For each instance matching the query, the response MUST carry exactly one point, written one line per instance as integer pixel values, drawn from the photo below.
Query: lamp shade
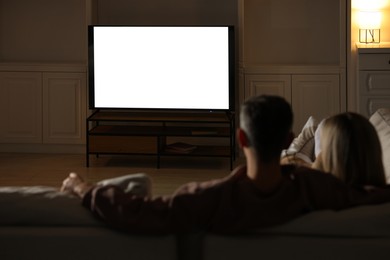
(369, 19)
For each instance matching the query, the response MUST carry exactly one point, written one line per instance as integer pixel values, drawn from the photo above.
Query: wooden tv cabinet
(146, 133)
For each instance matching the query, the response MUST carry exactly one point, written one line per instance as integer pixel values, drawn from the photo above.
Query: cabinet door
(314, 95)
(370, 104)
(64, 108)
(279, 85)
(20, 107)
(374, 91)
(374, 83)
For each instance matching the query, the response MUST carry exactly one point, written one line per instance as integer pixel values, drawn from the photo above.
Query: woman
(350, 150)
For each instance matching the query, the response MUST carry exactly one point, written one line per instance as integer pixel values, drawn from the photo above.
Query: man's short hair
(267, 121)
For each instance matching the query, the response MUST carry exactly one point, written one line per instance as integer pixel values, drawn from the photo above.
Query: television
(161, 67)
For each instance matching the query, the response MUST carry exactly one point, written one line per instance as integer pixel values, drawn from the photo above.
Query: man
(261, 194)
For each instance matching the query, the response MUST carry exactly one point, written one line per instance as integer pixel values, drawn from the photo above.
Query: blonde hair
(350, 150)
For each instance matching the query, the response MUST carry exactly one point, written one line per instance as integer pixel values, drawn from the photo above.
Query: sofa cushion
(363, 221)
(302, 146)
(68, 242)
(356, 233)
(44, 206)
(381, 121)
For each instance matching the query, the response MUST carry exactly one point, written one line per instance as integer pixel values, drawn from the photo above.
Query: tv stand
(146, 133)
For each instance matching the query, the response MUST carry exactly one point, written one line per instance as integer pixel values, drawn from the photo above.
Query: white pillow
(317, 139)
(302, 146)
(381, 121)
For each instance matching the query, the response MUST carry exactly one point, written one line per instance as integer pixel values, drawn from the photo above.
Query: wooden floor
(51, 169)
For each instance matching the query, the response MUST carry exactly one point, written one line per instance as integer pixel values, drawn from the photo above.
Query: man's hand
(75, 184)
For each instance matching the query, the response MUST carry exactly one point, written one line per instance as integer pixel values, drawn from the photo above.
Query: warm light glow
(369, 19)
(369, 4)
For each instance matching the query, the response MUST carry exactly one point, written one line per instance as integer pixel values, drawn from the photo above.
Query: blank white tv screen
(160, 67)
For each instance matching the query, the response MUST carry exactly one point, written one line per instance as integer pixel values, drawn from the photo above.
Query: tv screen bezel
(232, 70)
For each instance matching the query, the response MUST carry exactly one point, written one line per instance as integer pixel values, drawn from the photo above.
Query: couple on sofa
(346, 145)
(263, 193)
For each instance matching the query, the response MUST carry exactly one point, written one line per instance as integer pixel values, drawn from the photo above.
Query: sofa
(42, 223)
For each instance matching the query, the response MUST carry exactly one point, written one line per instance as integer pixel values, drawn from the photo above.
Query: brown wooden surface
(122, 144)
(52, 169)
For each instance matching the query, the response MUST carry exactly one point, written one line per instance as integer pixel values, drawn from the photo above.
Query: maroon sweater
(228, 205)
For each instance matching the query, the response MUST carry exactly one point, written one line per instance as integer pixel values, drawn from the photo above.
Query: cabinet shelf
(181, 117)
(160, 130)
(209, 151)
(146, 133)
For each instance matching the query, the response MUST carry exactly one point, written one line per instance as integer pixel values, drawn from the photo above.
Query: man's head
(266, 122)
